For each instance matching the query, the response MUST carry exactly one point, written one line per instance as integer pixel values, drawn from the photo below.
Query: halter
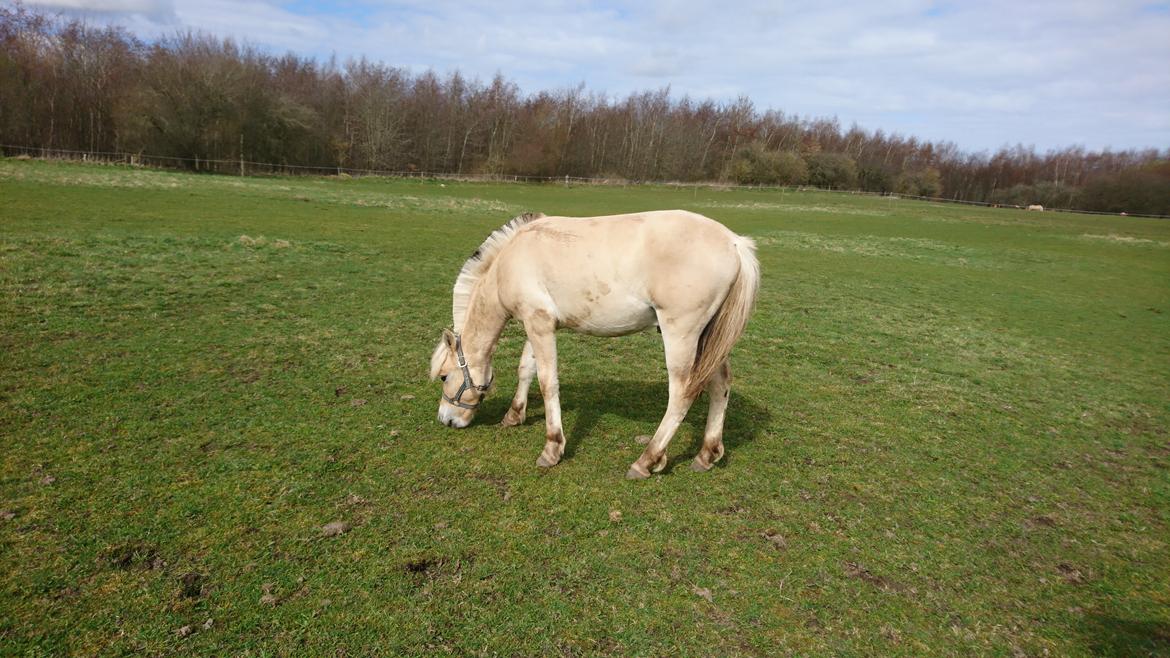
(468, 382)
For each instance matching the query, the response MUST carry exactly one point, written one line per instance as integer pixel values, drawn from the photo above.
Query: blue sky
(982, 74)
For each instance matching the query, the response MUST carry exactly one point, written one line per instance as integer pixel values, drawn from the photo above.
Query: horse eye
(443, 378)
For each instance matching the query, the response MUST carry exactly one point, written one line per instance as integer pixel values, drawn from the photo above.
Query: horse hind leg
(718, 391)
(517, 412)
(680, 356)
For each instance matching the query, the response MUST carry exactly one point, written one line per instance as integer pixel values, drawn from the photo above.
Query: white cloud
(152, 7)
(128, 11)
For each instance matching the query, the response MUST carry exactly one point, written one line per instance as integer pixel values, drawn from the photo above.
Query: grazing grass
(948, 433)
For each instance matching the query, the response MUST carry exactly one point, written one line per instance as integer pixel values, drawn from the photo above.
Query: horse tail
(727, 325)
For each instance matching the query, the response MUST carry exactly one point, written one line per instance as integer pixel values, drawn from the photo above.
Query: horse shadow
(1108, 635)
(643, 402)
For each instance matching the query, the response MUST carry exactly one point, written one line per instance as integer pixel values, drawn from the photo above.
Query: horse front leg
(517, 412)
(680, 357)
(541, 330)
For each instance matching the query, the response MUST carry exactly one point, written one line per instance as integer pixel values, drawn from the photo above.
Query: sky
(980, 73)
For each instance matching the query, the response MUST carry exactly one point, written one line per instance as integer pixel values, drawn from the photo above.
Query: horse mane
(479, 263)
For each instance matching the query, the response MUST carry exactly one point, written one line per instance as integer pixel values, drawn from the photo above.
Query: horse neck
(484, 322)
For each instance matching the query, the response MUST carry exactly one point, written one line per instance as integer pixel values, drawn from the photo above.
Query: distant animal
(607, 276)
(1036, 206)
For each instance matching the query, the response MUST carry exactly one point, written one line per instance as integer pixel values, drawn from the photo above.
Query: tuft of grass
(948, 432)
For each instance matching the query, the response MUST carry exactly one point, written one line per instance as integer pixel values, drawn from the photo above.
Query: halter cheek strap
(468, 383)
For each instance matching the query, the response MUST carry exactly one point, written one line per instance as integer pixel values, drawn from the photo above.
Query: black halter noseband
(468, 383)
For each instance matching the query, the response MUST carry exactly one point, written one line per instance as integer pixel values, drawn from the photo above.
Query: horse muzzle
(452, 416)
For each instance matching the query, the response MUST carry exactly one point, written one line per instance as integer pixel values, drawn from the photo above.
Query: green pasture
(948, 432)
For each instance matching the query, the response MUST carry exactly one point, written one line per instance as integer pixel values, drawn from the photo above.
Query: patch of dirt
(775, 539)
(133, 554)
(1138, 424)
(855, 570)
(500, 483)
(247, 375)
(69, 592)
(192, 585)
(266, 596)
(1043, 521)
(731, 510)
(430, 568)
(335, 528)
(1070, 574)
(424, 565)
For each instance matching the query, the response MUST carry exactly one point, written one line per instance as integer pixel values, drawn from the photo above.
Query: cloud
(981, 73)
(157, 10)
(659, 63)
(109, 6)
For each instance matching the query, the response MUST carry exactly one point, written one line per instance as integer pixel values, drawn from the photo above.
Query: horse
(613, 275)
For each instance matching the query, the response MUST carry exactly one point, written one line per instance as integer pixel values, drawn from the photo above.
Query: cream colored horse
(605, 276)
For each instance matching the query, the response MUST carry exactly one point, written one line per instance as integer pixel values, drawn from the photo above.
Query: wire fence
(242, 167)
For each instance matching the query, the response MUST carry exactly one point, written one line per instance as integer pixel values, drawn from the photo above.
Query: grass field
(948, 433)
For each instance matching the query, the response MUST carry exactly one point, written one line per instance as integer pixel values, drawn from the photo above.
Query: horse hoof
(509, 421)
(636, 474)
(545, 462)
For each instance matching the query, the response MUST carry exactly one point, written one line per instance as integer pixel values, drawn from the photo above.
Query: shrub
(925, 182)
(756, 165)
(835, 170)
(1145, 190)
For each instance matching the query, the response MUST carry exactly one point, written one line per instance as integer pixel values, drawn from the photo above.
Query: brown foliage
(211, 104)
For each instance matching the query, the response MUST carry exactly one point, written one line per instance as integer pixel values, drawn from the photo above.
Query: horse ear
(449, 338)
(438, 358)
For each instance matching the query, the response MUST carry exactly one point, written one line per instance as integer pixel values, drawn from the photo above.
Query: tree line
(67, 84)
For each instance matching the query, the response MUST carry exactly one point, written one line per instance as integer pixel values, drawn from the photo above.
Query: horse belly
(609, 316)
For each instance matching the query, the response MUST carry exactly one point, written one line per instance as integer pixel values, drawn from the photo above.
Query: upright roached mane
(479, 262)
(606, 276)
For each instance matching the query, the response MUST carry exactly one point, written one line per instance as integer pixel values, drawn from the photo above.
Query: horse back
(612, 275)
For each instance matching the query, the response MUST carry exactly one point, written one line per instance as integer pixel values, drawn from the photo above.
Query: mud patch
(424, 570)
(855, 570)
(1070, 574)
(132, 555)
(192, 585)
